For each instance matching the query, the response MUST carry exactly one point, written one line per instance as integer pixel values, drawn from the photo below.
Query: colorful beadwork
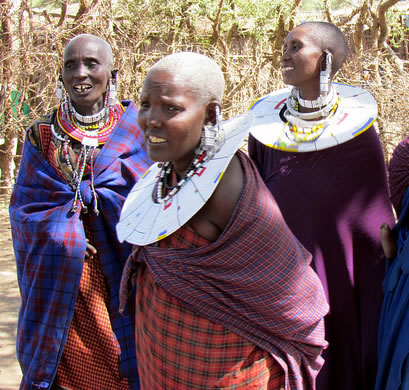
(356, 111)
(91, 136)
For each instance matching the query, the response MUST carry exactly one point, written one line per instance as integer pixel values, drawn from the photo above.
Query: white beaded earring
(325, 74)
(113, 88)
(212, 137)
(59, 88)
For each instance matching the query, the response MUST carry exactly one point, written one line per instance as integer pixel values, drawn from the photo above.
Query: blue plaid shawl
(49, 244)
(255, 280)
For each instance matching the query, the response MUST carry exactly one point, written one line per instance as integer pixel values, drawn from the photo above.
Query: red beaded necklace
(94, 137)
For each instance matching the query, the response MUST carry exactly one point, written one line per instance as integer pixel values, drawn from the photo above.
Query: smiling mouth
(156, 140)
(82, 87)
(287, 68)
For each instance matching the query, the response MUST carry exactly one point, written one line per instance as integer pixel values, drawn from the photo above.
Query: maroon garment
(334, 201)
(398, 173)
(255, 280)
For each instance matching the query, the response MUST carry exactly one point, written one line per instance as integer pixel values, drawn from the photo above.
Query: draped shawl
(255, 280)
(49, 244)
(393, 340)
(334, 201)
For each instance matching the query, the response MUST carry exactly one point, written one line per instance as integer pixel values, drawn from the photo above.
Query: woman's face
(171, 117)
(301, 61)
(86, 72)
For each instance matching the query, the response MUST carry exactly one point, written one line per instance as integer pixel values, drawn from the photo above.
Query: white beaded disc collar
(143, 221)
(356, 113)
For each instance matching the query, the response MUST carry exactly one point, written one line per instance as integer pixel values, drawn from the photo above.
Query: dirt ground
(10, 373)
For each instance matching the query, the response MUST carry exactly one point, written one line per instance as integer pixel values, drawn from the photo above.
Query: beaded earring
(212, 137)
(59, 88)
(113, 88)
(325, 74)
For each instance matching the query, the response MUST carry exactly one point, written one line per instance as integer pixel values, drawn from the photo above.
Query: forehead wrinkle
(103, 52)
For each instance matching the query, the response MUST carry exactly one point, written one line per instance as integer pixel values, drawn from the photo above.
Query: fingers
(90, 250)
(388, 241)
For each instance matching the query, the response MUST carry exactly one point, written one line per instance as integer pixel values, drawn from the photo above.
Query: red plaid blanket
(255, 280)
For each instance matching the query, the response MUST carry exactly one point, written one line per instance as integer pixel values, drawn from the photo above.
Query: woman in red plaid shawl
(229, 299)
(79, 163)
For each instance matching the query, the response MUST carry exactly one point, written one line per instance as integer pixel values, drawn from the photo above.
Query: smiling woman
(316, 149)
(75, 173)
(225, 296)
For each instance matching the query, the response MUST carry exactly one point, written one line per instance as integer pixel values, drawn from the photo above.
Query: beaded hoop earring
(112, 88)
(325, 74)
(59, 88)
(212, 137)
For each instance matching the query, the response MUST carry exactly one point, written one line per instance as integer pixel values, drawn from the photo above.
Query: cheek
(141, 121)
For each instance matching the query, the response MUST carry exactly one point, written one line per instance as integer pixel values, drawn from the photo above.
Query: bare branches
(383, 27)
(245, 38)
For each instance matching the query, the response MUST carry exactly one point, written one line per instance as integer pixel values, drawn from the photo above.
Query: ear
(212, 110)
(326, 60)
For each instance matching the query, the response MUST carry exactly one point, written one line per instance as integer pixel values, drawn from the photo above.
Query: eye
(144, 104)
(172, 108)
(68, 66)
(92, 64)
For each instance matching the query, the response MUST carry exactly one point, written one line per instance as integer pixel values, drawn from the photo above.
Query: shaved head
(329, 37)
(105, 47)
(200, 73)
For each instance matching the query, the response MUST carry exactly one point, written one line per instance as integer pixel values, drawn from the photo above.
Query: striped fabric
(49, 244)
(255, 280)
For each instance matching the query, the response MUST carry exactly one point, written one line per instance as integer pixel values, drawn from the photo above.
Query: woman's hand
(388, 241)
(90, 251)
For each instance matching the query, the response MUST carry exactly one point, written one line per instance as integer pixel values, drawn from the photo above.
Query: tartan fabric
(91, 353)
(49, 244)
(177, 349)
(255, 280)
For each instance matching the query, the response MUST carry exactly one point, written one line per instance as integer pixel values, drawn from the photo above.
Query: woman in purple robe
(317, 150)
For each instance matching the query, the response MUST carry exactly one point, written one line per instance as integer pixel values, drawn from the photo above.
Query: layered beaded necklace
(301, 126)
(96, 132)
(165, 178)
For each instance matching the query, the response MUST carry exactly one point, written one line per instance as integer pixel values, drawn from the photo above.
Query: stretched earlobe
(325, 73)
(212, 133)
(112, 88)
(213, 114)
(59, 88)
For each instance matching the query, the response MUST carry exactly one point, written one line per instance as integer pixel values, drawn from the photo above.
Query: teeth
(285, 68)
(156, 140)
(82, 87)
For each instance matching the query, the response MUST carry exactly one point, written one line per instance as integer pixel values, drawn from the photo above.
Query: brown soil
(10, 374)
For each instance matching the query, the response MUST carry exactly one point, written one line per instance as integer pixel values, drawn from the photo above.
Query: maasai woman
(317, 151)
(393, 340)
(79, 163)
(225, 296)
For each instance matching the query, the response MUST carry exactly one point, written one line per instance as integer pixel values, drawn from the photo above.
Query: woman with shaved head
(225, 295)
(79, 163)
(317, 150)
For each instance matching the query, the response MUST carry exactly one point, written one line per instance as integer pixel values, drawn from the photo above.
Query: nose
(285, 56)
(153, 118)
(80, 71)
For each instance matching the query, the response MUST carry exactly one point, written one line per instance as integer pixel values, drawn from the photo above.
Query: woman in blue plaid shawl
(79, 163)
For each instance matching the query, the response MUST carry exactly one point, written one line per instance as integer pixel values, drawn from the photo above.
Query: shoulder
(38, 127)
(215, 215)
(227, 193)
